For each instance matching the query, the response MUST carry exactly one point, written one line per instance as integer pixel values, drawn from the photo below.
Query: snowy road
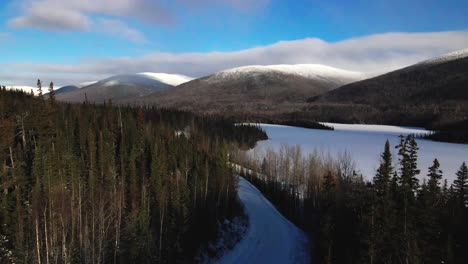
(271, 238)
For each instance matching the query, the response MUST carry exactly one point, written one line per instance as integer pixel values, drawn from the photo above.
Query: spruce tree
(435, 175)
(408, 184)
(51, 94)
(429, 214)
(383, 209)
(384, 172)
(460, 185)
(39, 87)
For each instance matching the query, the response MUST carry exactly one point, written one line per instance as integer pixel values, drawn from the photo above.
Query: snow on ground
(312, 71)
(271, 238)
(171, 79)
(398, 130)
(230, 233)
(365, 143)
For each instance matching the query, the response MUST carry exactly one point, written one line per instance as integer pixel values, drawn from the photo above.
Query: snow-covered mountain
(252, 88)
(129, 79)
(123, 86)
(311, 71)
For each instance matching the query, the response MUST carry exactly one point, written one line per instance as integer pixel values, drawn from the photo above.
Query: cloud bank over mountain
(371, 54)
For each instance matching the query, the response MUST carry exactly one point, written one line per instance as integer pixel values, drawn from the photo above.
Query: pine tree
(429, 209)
(435, 175)
(382, 213)
(39, 87)
(408, 184)
(408, 152)
(460, 185)
(384, 172)
(51, 94)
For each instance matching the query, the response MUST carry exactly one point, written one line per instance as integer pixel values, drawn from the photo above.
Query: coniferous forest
(103, 184)
(85, 183)
(395, 218)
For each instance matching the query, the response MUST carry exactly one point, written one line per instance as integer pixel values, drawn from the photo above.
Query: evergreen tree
(429, 209)
(51, 94)
(408, 184)
(384, 172)
(39, 88)
(435, 175)
(460, 185)
(383, 211)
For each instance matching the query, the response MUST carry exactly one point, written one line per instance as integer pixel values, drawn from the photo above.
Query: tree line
(89, 183)
(394, 218)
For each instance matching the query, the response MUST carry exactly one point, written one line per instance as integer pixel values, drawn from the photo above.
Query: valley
(233, 131)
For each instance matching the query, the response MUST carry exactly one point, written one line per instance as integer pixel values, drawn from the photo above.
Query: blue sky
(74, 40)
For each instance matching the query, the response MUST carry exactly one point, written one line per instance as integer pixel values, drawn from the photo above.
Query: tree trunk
(46, 236)
(38, 243)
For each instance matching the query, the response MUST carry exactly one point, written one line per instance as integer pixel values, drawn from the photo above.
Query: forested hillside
(100, 184)
(430, 94)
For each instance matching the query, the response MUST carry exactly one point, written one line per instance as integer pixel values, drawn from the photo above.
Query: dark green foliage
(100, 184)
(460, 185)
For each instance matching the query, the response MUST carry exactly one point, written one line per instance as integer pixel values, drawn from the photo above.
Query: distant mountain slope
(121, 87)
(440, 80)
(253, 88)
(66, 89)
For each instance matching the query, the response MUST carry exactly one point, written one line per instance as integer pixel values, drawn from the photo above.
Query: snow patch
(81, 85)
(171, 79)
(111, 83)
(398, 130)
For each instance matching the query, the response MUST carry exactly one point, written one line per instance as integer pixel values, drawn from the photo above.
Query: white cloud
(76, 15)
(86, 15)
(57, 19)
(371, 54)
(60, 15)
(117, 28)
(106, 16)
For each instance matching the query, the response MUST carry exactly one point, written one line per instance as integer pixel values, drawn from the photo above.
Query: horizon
(103, 39)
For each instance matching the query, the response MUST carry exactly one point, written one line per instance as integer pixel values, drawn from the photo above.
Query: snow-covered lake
(365, 143)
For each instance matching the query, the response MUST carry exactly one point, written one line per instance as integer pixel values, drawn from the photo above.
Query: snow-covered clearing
(271, 238)
(364, 143)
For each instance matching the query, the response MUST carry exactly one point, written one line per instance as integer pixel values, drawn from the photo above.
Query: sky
(69, 42)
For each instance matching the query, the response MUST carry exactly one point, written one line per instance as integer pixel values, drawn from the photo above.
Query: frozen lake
(365, 143)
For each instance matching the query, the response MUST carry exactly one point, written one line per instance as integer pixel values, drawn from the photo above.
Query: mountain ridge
(252, 88)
